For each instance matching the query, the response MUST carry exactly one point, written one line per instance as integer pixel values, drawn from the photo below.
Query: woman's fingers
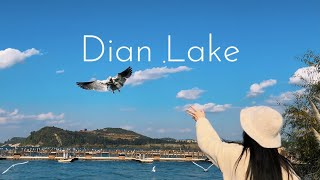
(191, 107)
(194, 116)
(196, 110)
(191, 114)
(195, 113)
(191, 111)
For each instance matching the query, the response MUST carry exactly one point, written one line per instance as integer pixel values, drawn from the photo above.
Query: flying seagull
(205, 170)
(109, 84)
(14, 166)
(154, 169)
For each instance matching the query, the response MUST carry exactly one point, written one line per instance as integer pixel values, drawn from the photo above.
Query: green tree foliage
(302, 122)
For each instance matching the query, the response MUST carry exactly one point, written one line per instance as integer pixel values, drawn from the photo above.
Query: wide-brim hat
(263, 124)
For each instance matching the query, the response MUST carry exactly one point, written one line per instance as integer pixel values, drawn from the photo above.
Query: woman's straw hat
(263, 124)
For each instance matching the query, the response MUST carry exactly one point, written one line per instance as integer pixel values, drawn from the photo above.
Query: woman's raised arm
(207, 138)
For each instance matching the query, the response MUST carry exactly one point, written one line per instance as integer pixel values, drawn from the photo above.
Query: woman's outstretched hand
(196, 114)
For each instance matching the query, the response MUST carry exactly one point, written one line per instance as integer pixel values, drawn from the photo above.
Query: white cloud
(2, 111)
(139, 77)
(61, 71)
(185, 130)
(209, 107)
(190, 94)
(285, 97)
(48, 116)
(162, 130)
(15, 116)
(168, 130)
(257, 89)
(15, 112)
(305, 75)
(56, 122)
(9, 56)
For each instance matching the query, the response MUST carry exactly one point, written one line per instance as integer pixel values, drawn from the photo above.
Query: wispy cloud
(259, 88)
(190, 94)
(162, 130)
(10, 56)
(16, 117)
(139, 77)
(209, 107)
(56, 122)
(61, 71)
(285, 97)
(185, 130)
(305, 75)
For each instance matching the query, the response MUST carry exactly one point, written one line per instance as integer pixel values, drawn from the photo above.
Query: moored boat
(67, 160)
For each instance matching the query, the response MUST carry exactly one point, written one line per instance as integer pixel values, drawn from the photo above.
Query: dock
(110, 155)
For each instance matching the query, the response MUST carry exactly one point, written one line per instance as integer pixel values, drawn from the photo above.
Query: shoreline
(32, 158)
(105, 155)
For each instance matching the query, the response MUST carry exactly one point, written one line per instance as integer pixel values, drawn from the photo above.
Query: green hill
(119, 133)
(57, 137)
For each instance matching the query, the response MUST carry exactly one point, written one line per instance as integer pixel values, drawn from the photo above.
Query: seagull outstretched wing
(126, 73)
(114, 83)
(198, 165)
(204, 169)
(14, 166)
(121, 78)
(209, 167)
(94, 85)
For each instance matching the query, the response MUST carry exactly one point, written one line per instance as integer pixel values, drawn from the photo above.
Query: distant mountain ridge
(106, 137)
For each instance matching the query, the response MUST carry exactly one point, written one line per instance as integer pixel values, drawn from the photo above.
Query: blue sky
(38, 86)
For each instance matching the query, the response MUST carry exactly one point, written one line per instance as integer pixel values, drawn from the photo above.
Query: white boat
(66, 159)
(145, 160)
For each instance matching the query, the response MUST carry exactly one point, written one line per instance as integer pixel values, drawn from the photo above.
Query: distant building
(186, 140)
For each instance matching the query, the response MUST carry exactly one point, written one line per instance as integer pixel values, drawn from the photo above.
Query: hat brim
(270, 142)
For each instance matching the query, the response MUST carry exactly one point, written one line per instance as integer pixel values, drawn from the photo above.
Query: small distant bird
(154, 169)
(111, 83)
(14, 166)
(205, 170)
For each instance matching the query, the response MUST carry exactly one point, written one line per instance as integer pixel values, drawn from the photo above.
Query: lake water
(107, 170)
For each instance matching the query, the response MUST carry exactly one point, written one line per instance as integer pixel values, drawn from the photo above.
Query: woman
(257, 158)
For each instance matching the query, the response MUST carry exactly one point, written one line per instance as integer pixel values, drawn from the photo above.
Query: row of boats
(69, 159)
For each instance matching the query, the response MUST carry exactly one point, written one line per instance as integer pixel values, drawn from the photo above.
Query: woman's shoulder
(234, 144)
(232, 147)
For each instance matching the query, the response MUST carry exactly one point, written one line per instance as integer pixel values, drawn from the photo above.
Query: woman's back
(226, 156)
(227, 161)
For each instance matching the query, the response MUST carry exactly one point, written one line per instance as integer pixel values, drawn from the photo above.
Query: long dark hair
(264, 163)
